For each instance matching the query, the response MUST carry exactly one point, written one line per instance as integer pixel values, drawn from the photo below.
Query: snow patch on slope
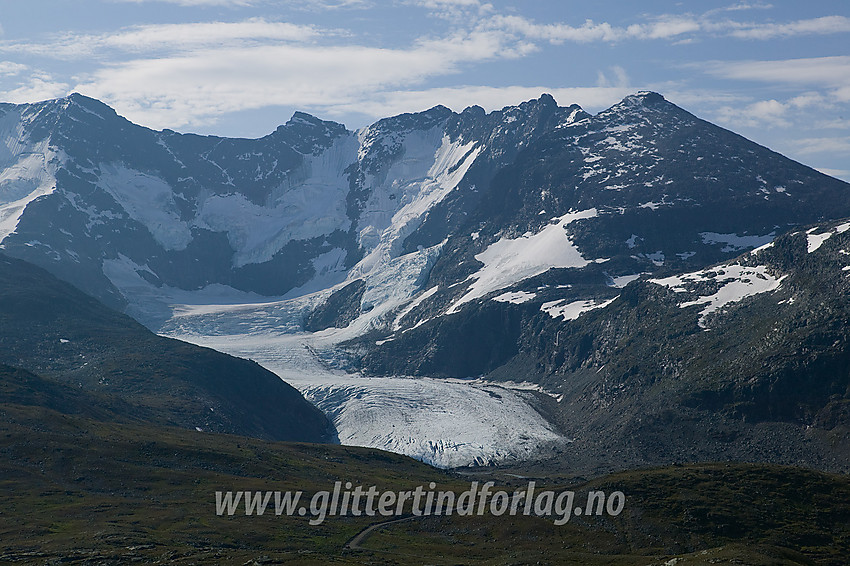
(148, 200)
(515, 297)
(509, 261)
(815, 241)
(733, 283)
(412, 305)
(622, 280)
(734, 242)
(573, 310)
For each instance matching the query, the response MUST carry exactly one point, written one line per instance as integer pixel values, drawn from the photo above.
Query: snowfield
(509, 261)
(27, 171)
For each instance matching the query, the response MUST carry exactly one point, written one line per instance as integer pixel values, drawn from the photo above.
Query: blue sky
(778, 73)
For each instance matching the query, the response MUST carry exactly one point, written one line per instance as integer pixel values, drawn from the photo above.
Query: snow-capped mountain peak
(430, 243)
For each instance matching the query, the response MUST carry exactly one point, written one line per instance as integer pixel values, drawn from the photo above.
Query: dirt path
(354, 543)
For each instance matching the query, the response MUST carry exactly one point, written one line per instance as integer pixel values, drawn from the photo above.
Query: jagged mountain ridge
(662, 190)
(435, 244)
(125, 212)
(117, 205)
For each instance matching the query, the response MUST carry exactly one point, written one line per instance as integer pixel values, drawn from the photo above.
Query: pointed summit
(644, 97)
(640, 104)
(307, 134)
(641, 99)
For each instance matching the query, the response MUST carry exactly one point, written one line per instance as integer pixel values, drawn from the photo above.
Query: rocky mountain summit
(584, 270)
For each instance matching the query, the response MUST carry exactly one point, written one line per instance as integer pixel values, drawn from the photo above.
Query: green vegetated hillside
(97, 467)
(77, 490)
(59, 333)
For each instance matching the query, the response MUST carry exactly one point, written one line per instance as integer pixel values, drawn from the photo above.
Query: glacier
(431, 221)
(445, 423)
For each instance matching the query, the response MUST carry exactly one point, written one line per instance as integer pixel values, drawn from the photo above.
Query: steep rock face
(644, 187)
(129, 214)
(525, 245)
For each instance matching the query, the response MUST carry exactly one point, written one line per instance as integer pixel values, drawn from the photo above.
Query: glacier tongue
(446, 423)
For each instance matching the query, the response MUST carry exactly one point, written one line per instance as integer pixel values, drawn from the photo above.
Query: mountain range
(562, 286)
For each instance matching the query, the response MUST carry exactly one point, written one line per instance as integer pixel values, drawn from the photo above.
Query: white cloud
(824, 71)
(769, 111)
(454, 9)
(665, 27)
(775, 113)
(746, 6)
(682, 28)
(839, 173)
(38, 86)
(234, 3)
(168, 37)
(9, 68)
(190, 36)
(307, 4)
(764, 113)
(817, 26)
(194, 87)
(825, 84)
(621, 79)
(826, 79)
(810, 146)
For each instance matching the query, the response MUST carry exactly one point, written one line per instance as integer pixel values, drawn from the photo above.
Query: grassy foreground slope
(78, 490)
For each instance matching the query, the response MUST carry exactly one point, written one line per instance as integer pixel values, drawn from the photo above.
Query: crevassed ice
(431, 168)
(445, 423)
